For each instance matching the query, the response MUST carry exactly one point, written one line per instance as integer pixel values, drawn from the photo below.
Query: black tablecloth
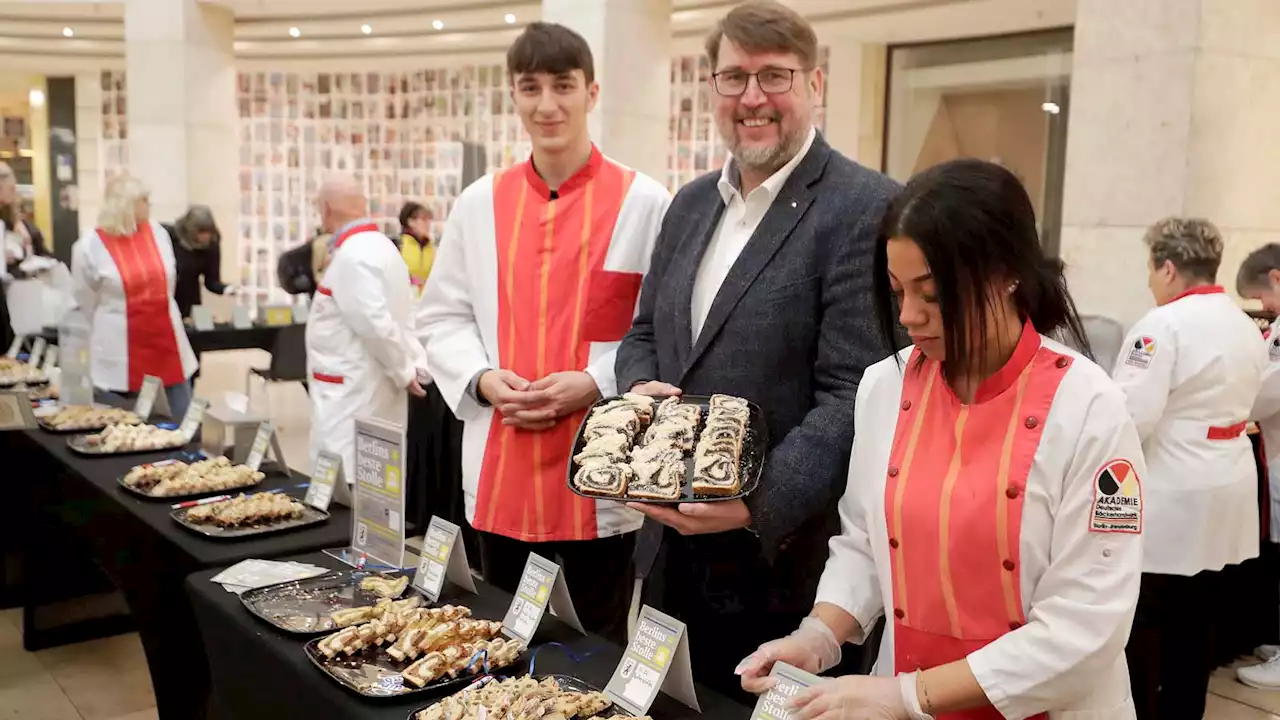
(222, 337)
(258, 671)
(147, 555)
(225, 337)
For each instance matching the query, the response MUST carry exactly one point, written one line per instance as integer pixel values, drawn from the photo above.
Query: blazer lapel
(686, 274)
(783, 215)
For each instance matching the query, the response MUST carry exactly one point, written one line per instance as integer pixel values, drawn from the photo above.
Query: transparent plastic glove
(812, 647)
(853, 697)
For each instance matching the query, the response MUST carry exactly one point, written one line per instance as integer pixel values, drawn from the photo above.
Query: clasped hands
(536, 406)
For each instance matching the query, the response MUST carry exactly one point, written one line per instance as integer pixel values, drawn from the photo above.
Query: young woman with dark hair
(415, 243)
(993, 510)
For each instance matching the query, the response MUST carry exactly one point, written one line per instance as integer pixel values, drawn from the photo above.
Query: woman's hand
(812, 647)
(854, 697)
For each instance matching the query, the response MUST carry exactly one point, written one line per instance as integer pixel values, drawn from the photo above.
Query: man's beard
(768, 159)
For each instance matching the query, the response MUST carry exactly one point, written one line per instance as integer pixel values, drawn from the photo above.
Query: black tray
(78, 446)
(29, 383)
(189, 496)
(755, 446)
(566, 682)
(310, 601)
(310, 516)
(68, 431)
(383, 673)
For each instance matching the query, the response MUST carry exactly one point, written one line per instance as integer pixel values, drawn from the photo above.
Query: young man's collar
(575, 181)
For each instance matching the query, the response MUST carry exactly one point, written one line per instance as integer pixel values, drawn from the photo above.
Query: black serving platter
(79, 445)
(371, 673)
(755, 446)
(566, 682)
(7, 383)
(302, 607)
(189, 496)
(310, 516)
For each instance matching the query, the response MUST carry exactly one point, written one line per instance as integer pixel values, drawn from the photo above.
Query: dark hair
(1256, 269)
(406, 214)
(550, 48)
(762, 26)
(976, 226)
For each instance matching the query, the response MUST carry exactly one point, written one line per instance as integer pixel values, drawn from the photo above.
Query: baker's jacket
(1079, 588)
(361, 348)
(1190, 365)
(99, 293)
(1266, 410)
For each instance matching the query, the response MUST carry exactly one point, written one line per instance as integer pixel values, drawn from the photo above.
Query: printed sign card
(791, 682)
(278, 315)
(379, 491)
(264, 440)
(50, 359)
(37, 352)
(15, 411)
(195, 415)
(541, 585)
(201, 317)
(657, 658)
(325, 474)
(240, 318)
(152, 390)
(442, 556)
(15, 347)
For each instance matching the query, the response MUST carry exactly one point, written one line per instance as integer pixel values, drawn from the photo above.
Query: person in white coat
(1190, 369)
(362, 354)
(993, 512)
(534, 284)
(1259, 279)
(123, 275)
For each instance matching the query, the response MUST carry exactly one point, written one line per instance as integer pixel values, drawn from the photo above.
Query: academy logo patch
(1273, 351)
(1141, 353)
(1117, 499)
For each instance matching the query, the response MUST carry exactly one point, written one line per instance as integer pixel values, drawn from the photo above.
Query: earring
(1012, 288)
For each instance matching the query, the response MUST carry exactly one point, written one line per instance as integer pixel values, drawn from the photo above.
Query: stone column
(183, 140)
(855, 88)
(631, 42)
(1173, 107)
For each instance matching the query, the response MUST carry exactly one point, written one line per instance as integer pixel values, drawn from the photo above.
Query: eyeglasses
(772, 81)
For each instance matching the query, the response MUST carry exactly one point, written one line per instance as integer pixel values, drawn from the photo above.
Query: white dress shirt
(738, 223)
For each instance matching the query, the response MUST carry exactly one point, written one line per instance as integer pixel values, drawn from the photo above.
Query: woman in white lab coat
(994, 503)
(1190, 369)
(123, 275)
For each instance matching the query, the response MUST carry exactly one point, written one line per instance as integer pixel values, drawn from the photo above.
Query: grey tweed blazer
(791, 329)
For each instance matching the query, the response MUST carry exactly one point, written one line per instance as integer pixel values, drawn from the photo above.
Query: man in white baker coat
(535, 282)
(362, 355)
(1191, 369)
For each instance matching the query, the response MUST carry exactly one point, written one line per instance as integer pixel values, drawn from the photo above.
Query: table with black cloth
(259, 671)
(143, 552)
(223, 336)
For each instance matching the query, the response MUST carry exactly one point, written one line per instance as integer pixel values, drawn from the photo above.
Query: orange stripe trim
(900, 576)
(509, 289)
(548, 248)
(584, 257)
(327, 378)
(944, 526)
(1002, 500)
(324, 290)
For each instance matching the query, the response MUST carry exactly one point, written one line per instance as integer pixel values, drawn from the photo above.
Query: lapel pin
(793, 203)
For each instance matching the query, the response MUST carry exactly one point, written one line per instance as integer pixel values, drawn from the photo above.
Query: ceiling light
(510, 18)
(437, 24)
(1050, 107)
(295, 32)
(366, 29)
(36, 97)
(68, 32)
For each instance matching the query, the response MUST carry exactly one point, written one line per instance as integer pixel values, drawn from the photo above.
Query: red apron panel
(953, 503)
(153, 346)
(547, 253)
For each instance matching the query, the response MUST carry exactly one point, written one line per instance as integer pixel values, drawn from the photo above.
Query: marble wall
(1173, 112)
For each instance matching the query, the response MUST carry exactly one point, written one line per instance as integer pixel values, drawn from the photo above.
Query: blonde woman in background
(123, 274)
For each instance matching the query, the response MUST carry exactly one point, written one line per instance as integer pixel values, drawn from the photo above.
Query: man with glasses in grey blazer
(759, 287)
